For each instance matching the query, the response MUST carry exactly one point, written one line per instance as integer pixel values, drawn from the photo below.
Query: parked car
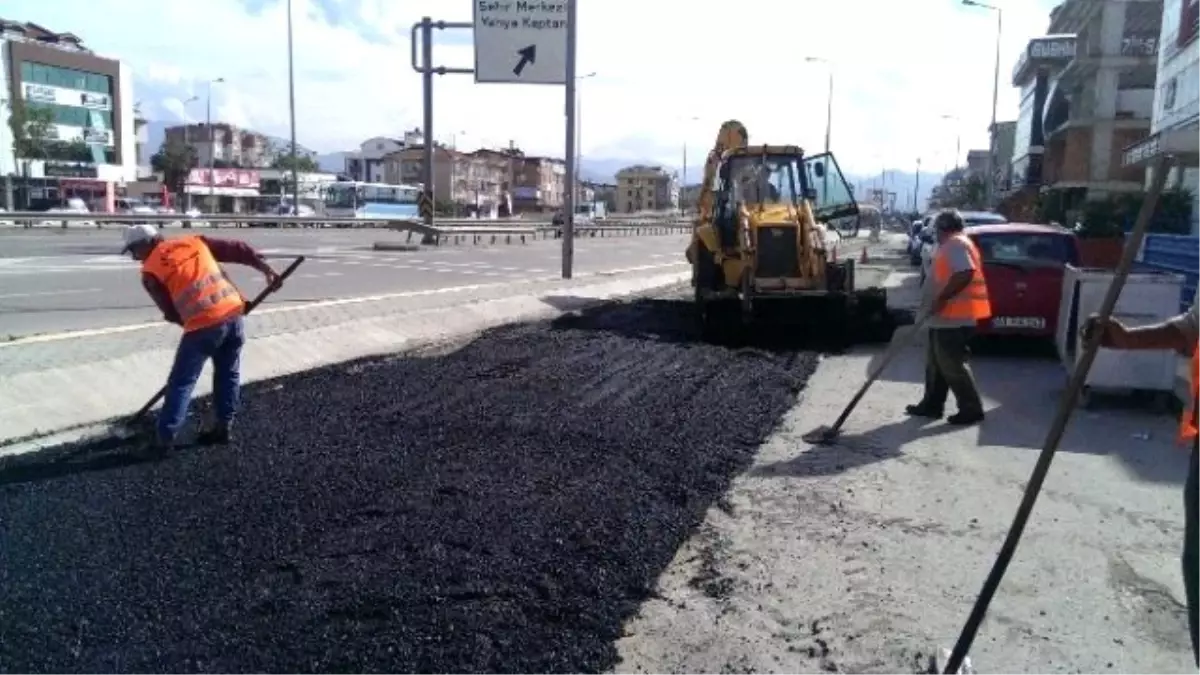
(929, 237)
(1024, 266)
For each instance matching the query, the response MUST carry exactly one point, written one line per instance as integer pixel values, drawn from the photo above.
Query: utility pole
(212, 145)
(989, 183)
(917, 190)
(568, 243)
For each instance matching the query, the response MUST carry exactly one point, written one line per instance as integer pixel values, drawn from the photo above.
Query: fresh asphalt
(52, 280)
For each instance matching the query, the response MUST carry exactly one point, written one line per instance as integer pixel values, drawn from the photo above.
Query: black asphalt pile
(503, 507)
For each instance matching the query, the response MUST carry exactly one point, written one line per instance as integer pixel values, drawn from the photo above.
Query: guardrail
(449, 230)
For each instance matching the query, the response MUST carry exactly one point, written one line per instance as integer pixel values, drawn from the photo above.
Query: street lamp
(187, 142)
(957, 137)
(292, 114)
(990, 180)
(683, 187)
(829, 98)
(579, 133)
(211, 141)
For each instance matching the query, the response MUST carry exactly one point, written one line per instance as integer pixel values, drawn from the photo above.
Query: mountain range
(604, 169)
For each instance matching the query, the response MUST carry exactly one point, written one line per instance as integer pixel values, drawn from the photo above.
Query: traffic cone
(863, 259)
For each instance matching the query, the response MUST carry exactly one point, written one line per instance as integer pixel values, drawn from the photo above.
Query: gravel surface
(500, 507)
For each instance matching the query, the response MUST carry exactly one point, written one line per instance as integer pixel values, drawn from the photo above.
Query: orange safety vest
(972, 302)
(198, 287)
(1187, 423)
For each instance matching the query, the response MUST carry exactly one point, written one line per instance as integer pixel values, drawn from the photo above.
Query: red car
(1024, 266)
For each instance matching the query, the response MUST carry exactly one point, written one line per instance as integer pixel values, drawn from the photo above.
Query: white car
(929, 237)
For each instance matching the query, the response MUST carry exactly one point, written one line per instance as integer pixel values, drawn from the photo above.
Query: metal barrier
(451, 230)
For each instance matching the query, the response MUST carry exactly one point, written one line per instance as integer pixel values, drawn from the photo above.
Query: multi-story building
(539, 184)
(1174, 129)
(977, 164)
(1102, 99)
(224, 145)
(367, 163)
(1039, 64)
(88, 147)
(646, 188)
(1003, 136)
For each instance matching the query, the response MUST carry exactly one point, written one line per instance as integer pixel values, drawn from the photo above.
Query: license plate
(1035, 322)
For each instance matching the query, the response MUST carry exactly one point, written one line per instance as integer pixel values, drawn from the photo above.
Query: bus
(355, 199)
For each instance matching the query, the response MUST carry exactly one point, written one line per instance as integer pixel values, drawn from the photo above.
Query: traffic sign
(520, 41)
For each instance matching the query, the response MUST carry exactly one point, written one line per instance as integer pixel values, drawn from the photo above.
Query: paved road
(57, 281)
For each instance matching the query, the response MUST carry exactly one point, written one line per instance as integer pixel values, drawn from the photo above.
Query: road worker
(1182, 334)
(185, 279)
(956, 300)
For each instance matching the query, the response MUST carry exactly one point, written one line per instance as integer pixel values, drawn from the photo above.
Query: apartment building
(539, 184)
(367, 162)
(977, 164)
(1175, 128)
(1039, 65)
(466, 182)
(223, 145)
(1102, 100)
(89, 149)
(1003, 139)
(646, 188)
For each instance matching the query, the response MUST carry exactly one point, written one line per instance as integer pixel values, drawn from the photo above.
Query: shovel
(828, 435)
(132, 426)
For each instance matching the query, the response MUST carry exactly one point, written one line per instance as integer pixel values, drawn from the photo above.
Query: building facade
(1102, 100)
(367, 163)
(646, 188)
(1039, 64)
(88, 149)
(539, 184)
(1003, 138)
(225, 145)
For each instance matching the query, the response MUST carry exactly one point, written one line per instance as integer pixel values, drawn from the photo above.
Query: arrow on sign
(528, 55)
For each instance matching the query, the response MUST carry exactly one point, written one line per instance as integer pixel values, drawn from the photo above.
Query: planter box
(1101, 253)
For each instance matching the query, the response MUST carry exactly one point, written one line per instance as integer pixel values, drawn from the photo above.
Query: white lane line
(38, 294)
(336, 302)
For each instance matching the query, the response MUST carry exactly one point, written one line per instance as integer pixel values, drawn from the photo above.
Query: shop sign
(69, 170)
(229, 178)
(96, 136)
(95, 101)
(38, 93)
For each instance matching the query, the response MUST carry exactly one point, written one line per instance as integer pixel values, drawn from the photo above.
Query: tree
(31, 128)
(957, 193)
(174, 161)
(303, 163)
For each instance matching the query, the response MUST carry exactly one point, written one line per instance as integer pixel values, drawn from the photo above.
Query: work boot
(923, 410)
(963, 419)
(217, 434)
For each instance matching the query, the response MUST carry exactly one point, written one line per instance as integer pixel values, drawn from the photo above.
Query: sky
(909, 76)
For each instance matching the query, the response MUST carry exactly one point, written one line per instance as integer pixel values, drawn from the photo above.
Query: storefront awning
(1182, 142)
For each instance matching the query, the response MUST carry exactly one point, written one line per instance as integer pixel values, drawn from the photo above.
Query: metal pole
(829, 111)
(578, 131)
(211, 147)
(683, 188)
(427, 95)
(917, 189)
(292, 111)
(568, 244)
(995, 98)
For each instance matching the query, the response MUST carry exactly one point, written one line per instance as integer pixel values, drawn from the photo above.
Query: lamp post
(579, 133)
(991, 170)
(187, 142)
(828, 100)
(957, 137)
(292, 114)
(683, 188)
(211, 141)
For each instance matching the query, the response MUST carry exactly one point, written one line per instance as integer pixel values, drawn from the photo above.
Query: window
(1189, 21)
(1026, 248)
(77, 117)
(67, 78)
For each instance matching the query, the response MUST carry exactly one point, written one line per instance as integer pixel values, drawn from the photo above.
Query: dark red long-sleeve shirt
(224, 251)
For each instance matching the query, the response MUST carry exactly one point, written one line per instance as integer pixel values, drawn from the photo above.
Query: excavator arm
(732, 134)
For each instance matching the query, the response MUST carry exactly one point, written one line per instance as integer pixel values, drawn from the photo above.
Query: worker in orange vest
(956, 299)
(185, 279)
(1182, 334)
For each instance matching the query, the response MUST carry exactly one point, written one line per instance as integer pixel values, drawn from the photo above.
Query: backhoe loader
(758, 247)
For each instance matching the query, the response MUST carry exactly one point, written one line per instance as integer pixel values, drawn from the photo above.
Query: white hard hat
(137, 234)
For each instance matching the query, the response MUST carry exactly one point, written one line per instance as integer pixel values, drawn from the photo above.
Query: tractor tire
(718, 319)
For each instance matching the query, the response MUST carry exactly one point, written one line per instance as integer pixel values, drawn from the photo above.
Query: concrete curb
(52, 407)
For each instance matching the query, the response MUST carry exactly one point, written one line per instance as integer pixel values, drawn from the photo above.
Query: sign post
(533, 42)
(516, 42)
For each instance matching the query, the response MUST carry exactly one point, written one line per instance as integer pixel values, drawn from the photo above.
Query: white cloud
(900, 67)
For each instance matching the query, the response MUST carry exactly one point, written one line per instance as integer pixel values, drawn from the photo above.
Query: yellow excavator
(759, 244)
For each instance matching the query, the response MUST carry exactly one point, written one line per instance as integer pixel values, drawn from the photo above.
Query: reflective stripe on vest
(972, 302)
(197, 285)
(1187, 423)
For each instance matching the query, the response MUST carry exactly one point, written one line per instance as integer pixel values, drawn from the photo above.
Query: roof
(1019, 228)
(991, 216)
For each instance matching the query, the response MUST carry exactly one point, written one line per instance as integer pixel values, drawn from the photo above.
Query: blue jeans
(223, 344)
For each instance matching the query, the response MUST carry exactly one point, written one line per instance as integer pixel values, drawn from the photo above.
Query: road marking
(336, 302)
(37, 294)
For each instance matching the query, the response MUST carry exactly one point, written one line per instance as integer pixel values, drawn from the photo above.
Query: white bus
(354, 199)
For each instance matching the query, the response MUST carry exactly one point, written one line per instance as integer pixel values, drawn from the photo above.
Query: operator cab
(779, 178)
